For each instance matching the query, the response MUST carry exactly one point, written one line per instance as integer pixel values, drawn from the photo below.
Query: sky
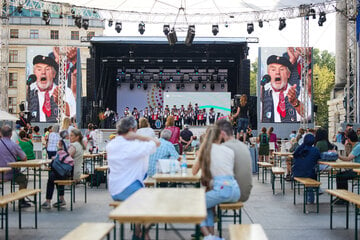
(269, 36)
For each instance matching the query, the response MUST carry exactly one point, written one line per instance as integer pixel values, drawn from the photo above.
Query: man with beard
(281, 101)
(44, 93)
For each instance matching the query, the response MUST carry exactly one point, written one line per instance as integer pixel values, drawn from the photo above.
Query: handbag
(329, 156)
(62, 167)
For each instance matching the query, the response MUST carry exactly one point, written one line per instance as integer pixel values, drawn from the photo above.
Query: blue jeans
(225, 189)
(310, 195)
(242, 124)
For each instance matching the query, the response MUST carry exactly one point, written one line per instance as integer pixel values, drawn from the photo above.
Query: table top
(346, 195)
(162, 205)
(192, 157)
(4, 169)
(283, 153)
(177, 177)
(29, 163)
(247, 231)
(88, 155)
(88, 231)
(341, 164)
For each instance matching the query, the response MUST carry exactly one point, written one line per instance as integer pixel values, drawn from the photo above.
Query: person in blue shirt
(165, 151)
(343, 177)
(306, 157)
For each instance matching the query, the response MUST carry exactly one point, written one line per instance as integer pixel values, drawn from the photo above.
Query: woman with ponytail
(216, 162)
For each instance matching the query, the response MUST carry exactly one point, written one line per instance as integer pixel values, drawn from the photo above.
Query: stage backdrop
(274, 108)
(35, 100)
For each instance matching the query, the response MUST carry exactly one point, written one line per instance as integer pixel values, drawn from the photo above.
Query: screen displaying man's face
(45, 75)
(279, 75)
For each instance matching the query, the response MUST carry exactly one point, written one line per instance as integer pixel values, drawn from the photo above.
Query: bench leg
(197, 232)
(74, 191)
(6, 222)
(347, 215)
(258, 173)
(239, 215)
(157, 231)
(72, 188)
(283, 183)
(305, 198)
(317, 199)
(122, 231)
(85, 193)
(234, 216)
(19, 213)
(331, 210)
(219, 221)
(294, 192)
(273, 182)
(35, 200)
(356, 221)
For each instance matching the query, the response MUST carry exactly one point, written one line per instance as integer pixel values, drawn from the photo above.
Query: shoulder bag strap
(8, 150)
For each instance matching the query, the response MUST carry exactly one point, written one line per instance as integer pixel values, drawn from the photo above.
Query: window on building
(74, 35)
(14, 33)
(34, 33)
(12, 104)
(90, 34)
(54, 34)
(13, 78)
(13, 56)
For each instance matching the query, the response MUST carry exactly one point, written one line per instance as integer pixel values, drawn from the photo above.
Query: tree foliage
(253, 79)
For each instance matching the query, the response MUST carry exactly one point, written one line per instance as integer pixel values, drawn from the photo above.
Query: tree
(324, 59)
(253, 77)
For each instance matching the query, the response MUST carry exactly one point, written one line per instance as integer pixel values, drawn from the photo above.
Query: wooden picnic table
(178, 177)
(278, 156)
(338, 165)
(3, 170)
(247, 231)
(162, 205)
(36, 165)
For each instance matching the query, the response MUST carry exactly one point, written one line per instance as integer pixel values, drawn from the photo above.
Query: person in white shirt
(44, 93)
(128, 160)
(145, 129)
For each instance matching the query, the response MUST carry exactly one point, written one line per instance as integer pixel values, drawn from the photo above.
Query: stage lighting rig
(46, 17)
(138, 85)
(282, 23)
(250, 28)
(166, 29)
(141, 27)
(78, 21)
(203, 86)
(118, 27)
(196, 86)
(215, 29)
(131, 86)
(145, 86)
(178, 86)
(19, 8)
(222, 86)
(182, 86)
(110, 23)
(190, 35)
(312, 13)
(172, 38)
(85, 24)
(322, 18)
(261, 24)
(212, 86)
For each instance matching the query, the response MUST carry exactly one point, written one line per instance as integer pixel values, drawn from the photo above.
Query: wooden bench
(12, 197)
(101, 169)
(310, 185)
(247, 231)
(228, 206)
(149, 182)
(90, 231)
(278, 171)
(72, 183)
(265, 166)
(115, 204)
(349, 197)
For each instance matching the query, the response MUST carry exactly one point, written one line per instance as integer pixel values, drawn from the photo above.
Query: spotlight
(226, 24)
(118, 27)
(190, 35)
(215, 29)
(261, 24)
(190, 79)
(166, 29)
(123, 70)
(46, 17)
(196, 86)
(222, 86)
(85, 24)
(172, 38)
(312, 13)
(212, 86)
(78, 21)
(322, 18)
(171, 79)
(145, 86)
(196, 70)
(282, 23)
(161, 71)
(182, 86)
(177, 71)
(250, 28)
(110, 23)
(178, 86)
(139, 85)
(19, 8)
(199, 79)
(163, 86)
(131, 86)
(141, 27)
(203, 86)
(117, 79)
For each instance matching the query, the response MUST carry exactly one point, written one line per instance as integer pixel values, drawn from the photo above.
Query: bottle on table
(44, 154)
(183, 165)
(172, 166)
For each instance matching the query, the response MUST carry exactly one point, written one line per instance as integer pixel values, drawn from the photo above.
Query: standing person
(37, 140)
(128, 156)
(186, 137)
(243, 113)
(305, 160)
(263, 139)
(22, 120)
(145, 129)
(9, 151)
(216, 162)
(108, 117)
(26, 145)
(175, 133)
(212, 116)
(52, 142)
(242, 168)
(273, 138)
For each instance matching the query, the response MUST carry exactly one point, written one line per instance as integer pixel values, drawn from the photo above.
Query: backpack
(264, 139)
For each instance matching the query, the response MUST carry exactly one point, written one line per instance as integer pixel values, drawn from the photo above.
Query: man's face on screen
(279, 75)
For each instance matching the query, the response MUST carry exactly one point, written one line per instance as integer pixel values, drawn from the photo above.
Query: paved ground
(276, 213)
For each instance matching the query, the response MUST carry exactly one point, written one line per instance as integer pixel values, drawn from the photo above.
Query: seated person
(305, 160)
(26, 145)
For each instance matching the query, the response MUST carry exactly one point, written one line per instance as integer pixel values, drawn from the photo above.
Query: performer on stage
(196, 112)
(154, 117)
(136, 114)
(176, 118)
(166, 115)
(212, 116)
(126, 112)
(205, 117)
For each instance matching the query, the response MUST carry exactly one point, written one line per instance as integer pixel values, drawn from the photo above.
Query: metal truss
(305, 64)
(351, 86)
(4, 54)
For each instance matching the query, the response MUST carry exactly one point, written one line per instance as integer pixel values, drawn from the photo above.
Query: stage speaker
(244, 80)
(252, 104)
(90, 76)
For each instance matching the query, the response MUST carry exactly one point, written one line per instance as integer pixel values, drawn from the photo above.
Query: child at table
(216, 162)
